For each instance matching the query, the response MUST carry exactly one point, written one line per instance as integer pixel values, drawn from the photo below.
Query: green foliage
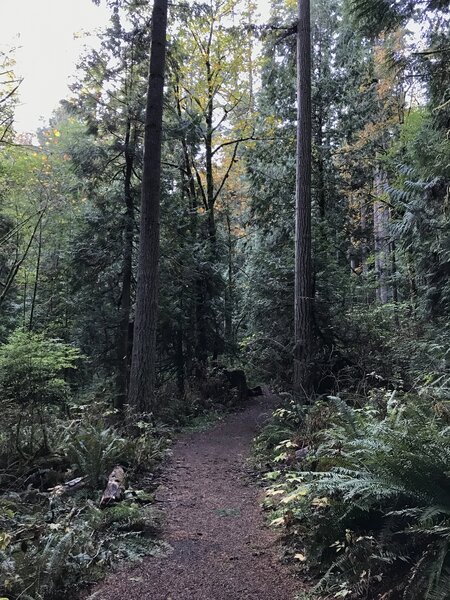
(45, 554)
(52, 541)
(94, 451)
(32, 369)
(376, 16)
(34, 386)
(146, 445)
(94, 446)
(363, 480)
(367, 506)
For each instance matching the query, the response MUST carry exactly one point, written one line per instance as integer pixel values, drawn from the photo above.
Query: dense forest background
(69, 233)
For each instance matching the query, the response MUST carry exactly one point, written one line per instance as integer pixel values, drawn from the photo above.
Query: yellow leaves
(342, 594)
(300, 492)
(5, 540)
(290, 444)
(56, 133)
(272, 475)
(281, 457)
(286, 444)
(299, 556)
(291, 4)
(320, 502)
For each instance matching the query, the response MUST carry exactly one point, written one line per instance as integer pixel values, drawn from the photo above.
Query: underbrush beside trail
(55, 537)
(54, 540)
(360, 488)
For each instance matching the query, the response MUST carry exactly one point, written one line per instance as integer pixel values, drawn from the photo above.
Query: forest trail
(221, 548)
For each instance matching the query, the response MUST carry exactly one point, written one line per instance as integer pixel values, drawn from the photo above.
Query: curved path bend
(221, 548)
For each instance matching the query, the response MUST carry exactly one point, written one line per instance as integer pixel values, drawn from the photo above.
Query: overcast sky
(48, 47)
(43, 32)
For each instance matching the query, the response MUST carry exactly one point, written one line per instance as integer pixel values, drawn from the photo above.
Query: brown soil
(221, 548)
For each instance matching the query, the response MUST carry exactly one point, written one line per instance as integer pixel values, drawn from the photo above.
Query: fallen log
(68, 488)
(115, 487)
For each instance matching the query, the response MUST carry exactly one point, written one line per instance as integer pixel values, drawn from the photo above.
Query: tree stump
(115, 487)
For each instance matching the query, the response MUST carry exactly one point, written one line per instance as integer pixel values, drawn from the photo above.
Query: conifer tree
(143, 365)
(303, 268)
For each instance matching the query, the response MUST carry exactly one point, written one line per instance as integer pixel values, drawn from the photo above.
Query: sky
(46, 35)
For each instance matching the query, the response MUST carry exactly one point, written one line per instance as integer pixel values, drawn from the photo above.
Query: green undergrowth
(360, 489)
(55, 538)
(204, 421)
(52, 542)
(48, 551)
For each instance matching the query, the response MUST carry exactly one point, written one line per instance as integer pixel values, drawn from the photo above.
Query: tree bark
(208, 156)
(381, 220)
(115, 487)
(229, 295)
(36, 277)
(143, 367)
(303, 311)
(127, 274)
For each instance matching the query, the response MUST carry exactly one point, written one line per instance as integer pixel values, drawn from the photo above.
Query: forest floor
(222, 550)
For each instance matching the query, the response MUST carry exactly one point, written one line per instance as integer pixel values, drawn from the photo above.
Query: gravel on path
(222, 550)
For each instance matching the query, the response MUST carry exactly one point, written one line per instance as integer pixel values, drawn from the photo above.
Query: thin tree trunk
(19, 261)
(250, 10)
(394, 282)
(229, 294)
(24, 299)
(201, 350)
(127, 274)
(203, 295)
(188, 179)
(303, 311)
(143, 367)
(36, 278)
(208, 155)
(381, 219)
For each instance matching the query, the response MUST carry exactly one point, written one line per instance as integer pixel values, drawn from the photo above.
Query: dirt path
(222, 550)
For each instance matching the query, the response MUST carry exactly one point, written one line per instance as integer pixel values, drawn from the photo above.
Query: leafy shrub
(33, 387)
(43, 554)
(94, 450)
(49, 543)
(368, 507)
(146, 446)
(32, 368)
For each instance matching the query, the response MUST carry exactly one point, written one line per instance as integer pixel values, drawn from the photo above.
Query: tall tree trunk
(303, 311)
(197, 339)
(392, 250)
(127, 273)
(180, 358)
(229, 295)
(381, 219)
(201, 305)
(203, 295)
(36, 277)
(143, 366)
(208, 156)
